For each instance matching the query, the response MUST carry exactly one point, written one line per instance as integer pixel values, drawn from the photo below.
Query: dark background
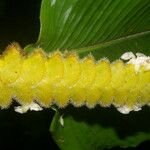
(19, 21)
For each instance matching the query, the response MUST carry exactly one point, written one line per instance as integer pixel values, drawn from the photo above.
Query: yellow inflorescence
(61, 79)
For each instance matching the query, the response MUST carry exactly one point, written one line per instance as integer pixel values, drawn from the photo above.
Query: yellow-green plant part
(58, 78)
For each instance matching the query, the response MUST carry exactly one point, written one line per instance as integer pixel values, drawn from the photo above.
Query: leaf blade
(107, 20)
(99, 128)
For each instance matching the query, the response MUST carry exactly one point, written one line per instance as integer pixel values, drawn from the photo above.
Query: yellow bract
(63, 78)
(87, 76)
(61, 90)
(10, 64)
(102, 79)
(10, 70)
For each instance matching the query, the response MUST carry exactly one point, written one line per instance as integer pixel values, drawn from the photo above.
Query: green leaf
(99, 128)
(105, 28)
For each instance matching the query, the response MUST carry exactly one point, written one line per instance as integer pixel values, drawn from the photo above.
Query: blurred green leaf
(105, 28)
(99, 128)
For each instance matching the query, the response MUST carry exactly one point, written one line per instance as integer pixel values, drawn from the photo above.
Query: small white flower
(21, 109)
(24, 108)
(138, 61)
(127, 56)
(126, 109)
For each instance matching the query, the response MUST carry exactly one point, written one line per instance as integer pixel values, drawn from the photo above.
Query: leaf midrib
(107, 43)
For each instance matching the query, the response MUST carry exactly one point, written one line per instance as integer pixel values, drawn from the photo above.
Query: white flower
(24, 108)
(126, 109)
(138, 60)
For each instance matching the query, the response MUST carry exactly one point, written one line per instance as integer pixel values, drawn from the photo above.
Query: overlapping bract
(64, 78)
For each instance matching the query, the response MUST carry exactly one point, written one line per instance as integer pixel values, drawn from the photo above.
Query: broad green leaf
(102, 27)
(99, 128)
(105, 28)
